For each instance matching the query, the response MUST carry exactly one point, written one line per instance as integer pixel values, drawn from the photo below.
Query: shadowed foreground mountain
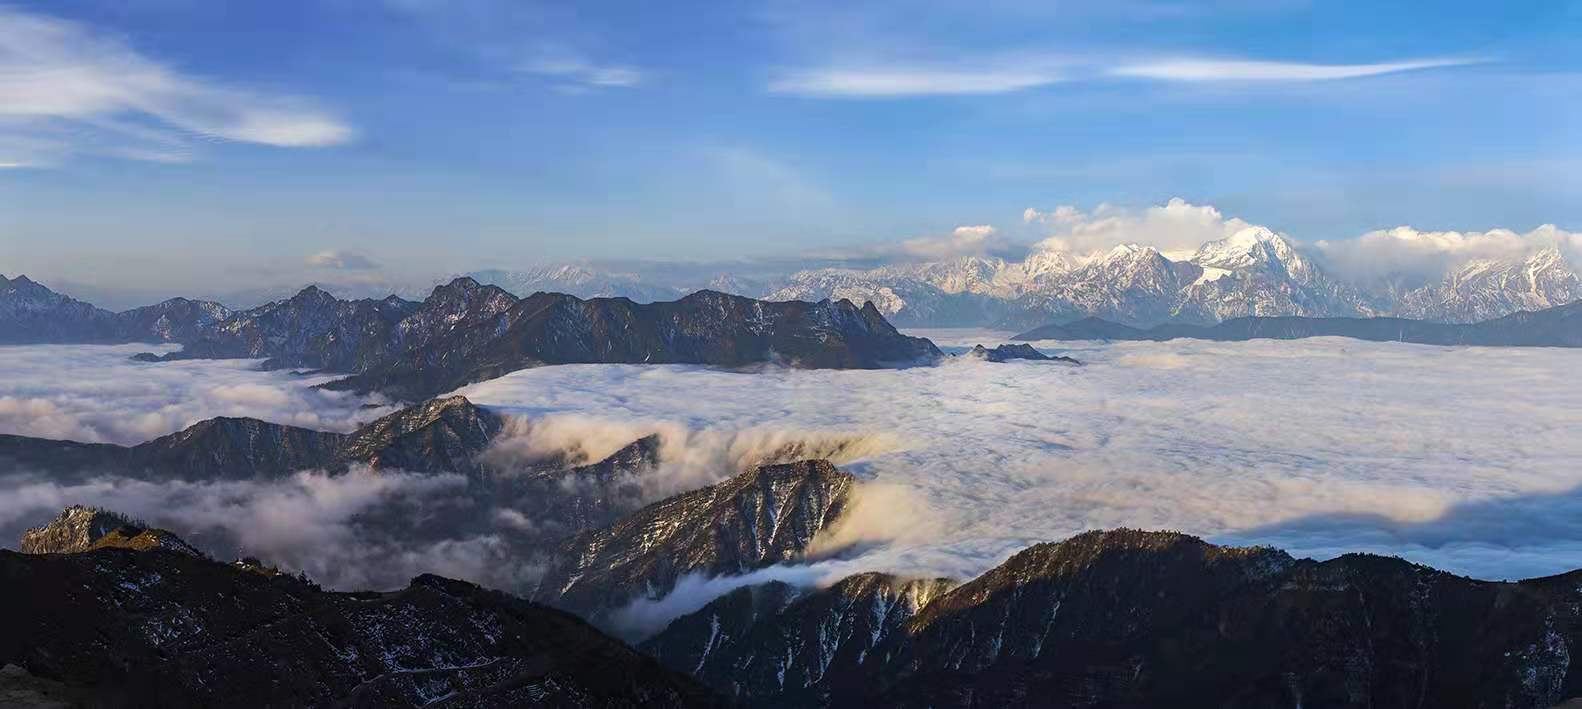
(1129, 618)
(155, 628)
(1105, 619)
(1560, 326)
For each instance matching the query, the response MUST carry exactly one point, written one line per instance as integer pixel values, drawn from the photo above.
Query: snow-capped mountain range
(1252, 272)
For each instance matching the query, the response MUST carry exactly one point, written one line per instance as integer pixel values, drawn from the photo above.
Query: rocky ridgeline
(148, 627)
(765, 516)
(1131, 618)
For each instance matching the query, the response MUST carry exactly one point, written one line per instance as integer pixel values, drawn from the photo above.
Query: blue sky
(169, 144)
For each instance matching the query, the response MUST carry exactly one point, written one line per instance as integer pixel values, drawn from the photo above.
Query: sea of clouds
(98, 394)
(1462, 458)
(1319, 446)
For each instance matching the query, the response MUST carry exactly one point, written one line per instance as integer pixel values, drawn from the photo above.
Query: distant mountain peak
(1128, 250)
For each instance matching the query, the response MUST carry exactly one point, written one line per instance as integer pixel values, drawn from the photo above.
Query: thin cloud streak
(967, 78)
(900, 82)
(1248, 70)
(579, 72)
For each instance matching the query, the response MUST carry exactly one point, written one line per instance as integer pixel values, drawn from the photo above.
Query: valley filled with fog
(1461, 458)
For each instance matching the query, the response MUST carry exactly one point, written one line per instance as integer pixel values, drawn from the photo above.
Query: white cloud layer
(66, 88)
(688, 458)
(97, 394)
(1247, 70)
(1176, 227)
(324, 525)
(1323, 445)
(1405, 250)
(979, 240)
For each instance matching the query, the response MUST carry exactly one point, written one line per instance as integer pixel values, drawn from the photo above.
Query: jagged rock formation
(153, 629)
(1006, 353)
(316, 330)
(1555, 327)
(79, 529)
(437, 435)
(312, 329)
(773, 644)
(761, 517)
(559, 500)
(703, 328)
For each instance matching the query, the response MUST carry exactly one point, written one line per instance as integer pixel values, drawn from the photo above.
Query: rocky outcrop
(437, 435)
(1006, 353)
(765, 516)
(78, 529)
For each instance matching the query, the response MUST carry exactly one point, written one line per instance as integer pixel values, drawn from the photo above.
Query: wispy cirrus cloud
(1254, 70)
(978, 76)
(68, 89)
(880, 82)
(571, 71)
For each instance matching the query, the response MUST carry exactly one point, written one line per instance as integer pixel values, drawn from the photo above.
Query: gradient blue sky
(191, 144)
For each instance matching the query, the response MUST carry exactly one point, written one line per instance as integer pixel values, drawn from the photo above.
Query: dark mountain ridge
(1006, 353)
(1560, 326)
(706, 327)
(442, 435)
(1131, 618)
(156, 628)
(33, 314)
